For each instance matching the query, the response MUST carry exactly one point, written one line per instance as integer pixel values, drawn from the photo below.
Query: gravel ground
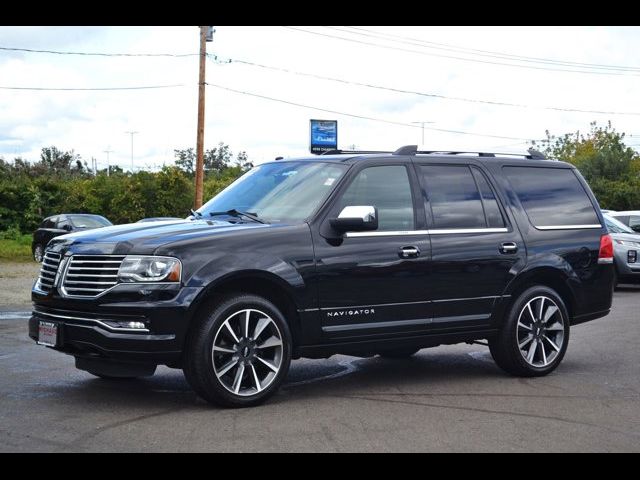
(16, 280)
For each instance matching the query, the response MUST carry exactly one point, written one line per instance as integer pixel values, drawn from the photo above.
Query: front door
(475, 247)
(374, 283)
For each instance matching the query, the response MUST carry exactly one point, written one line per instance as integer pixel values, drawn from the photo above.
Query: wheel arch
(256, 282)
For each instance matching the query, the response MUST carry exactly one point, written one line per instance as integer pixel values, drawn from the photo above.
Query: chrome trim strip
(567, 227)
(375, 305)
(363, 326)
(93, 268)
(436, 231)
(109, 327)
(461, 318)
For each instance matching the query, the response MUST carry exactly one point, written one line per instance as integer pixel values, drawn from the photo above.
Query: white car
(631, 218)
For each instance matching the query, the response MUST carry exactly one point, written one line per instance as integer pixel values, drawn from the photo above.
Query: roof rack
(413, 150)
(338, 152)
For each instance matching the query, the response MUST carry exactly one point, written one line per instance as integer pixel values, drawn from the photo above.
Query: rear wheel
(38, 253)
(239, 353)
(535, 335)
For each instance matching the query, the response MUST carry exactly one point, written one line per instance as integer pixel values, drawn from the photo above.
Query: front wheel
(535, 334)
(239, 353)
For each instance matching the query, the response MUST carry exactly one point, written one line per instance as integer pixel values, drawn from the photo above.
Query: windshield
(616, 226)
(81, 221)
(280, 191)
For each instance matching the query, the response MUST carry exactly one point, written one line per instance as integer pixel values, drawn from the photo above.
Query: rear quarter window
(552, 197)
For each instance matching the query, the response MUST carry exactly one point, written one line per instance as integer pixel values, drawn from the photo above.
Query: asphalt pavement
(450, 398)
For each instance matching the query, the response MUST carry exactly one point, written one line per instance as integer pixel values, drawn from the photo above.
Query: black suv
(57, 225)
(352, 253)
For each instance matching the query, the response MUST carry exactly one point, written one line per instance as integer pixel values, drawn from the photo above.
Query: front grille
(50, 264)
(91, 275)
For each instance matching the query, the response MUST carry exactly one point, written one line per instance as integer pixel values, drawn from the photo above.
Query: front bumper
(98, 328)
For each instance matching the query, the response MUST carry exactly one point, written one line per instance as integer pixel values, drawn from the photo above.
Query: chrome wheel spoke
(549, 313)
(556, 327)
(533, 317)
(532, 351)
(526, 341)
(550, 342)
(246, 324)
(230, 330)
(260, 326)
(270, 342)
(256, 380)
(541, 308)
(232, 363)
(217, 348)
(522, 325)
(269, 365)
(237, 382)
(544, 353)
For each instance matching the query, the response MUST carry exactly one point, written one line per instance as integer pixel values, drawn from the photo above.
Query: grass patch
(15, 247)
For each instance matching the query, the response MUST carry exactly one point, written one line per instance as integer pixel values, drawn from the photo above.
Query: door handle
(409, 252)
(508, 247)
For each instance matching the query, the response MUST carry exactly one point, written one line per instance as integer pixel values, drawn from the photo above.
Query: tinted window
(552, 196)
(614, 226)
(386, 188)
(489, 202)
(454, 197)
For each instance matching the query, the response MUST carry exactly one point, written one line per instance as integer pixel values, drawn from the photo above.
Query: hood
(144, 238)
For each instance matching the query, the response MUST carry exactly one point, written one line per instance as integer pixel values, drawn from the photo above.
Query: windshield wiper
(237, 213)
(195, 214)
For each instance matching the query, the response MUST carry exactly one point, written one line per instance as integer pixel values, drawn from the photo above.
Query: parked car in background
(626, 246)
(57, 225)
(631, 218)
(158, 219)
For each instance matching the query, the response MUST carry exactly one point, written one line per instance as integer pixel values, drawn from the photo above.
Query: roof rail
(413, 150)
(338, 152)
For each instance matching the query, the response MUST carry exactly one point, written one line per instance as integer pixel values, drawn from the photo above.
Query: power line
(99, 54)
(47, 89)
(320, 109)
(431, 54)
(424, 94)
(479, 52)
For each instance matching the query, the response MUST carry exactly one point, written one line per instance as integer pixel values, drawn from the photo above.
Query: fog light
(632, 256)
(128, 325)
(135, 325)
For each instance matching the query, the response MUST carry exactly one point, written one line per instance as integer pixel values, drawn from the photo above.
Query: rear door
(474, 244)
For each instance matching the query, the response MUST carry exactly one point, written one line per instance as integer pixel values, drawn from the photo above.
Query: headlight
(139, 268)
(628, 243)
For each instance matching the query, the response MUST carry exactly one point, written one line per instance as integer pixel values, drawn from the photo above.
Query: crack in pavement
(489, 411)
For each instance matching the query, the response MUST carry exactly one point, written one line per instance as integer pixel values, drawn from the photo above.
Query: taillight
(606, 249)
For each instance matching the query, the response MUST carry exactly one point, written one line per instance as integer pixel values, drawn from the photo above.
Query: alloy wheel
(540, 332)
(247, 352)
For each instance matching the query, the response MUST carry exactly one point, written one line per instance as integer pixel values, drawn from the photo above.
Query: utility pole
(132, 134)
(108, 164)
(422, 123)
(206, 35)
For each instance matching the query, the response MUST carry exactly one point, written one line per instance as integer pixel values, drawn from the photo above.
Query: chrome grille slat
(88, 276)
(50, 264)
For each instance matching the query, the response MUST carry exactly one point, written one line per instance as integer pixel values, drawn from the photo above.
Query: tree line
(61, 182)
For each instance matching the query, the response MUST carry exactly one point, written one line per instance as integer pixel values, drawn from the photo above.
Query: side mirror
(356, 219)
(67, 227)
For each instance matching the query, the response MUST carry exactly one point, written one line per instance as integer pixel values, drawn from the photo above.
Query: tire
(233, 365)
(399, 353)
(38, 253)
(553, 334)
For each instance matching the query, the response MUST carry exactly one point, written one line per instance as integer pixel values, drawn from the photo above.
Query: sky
(545, 71)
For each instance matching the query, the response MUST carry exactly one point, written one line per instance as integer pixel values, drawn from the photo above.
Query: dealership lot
(451, 398)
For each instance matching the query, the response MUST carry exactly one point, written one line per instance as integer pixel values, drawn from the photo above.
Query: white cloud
(89, 122)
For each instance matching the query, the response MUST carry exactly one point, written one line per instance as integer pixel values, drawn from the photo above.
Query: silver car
(626, 249)
(631, 218)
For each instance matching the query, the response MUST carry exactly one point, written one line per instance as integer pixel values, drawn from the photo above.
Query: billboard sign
(323, 135)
